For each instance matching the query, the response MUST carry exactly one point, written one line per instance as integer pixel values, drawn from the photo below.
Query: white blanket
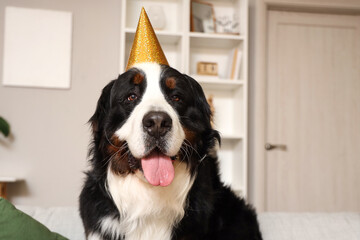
(274, 226)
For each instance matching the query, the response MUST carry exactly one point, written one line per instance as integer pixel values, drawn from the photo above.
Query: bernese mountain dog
(154, 171)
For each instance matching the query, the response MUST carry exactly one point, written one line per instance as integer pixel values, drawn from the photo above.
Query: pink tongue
(158, 169)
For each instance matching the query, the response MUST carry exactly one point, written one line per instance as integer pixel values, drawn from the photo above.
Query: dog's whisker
(181, 160)
(108, 140)
(124, 146)
(185, 150)
(184, 155)
(192, 148)
(125, 154)
(187, 145)
(110, 158)
(188, 149)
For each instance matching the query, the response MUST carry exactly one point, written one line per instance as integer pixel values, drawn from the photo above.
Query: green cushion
(16, 225)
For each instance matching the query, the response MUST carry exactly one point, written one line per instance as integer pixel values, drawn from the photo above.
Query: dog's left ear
(200, 100)
(103, 106)
(203, 105)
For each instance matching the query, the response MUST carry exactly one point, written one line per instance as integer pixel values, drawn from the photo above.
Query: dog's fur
(118, 202)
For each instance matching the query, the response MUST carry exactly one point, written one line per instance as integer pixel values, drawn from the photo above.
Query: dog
(154, 170)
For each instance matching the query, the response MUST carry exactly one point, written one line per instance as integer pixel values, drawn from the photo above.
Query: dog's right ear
(102, 108)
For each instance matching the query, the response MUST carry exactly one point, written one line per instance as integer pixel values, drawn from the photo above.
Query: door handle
(269, 146)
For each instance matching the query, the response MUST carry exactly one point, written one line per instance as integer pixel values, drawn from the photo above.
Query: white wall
(50, 132)
(251, 116)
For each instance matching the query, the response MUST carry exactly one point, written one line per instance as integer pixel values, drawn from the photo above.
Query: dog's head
(149, 117)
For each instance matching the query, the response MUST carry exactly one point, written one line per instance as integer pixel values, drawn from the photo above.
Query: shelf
(211, 40)
(227, 137)
(216, 36)
(165, 37)
(185, 49)
(10, 179)
(216, 83)
(158, 32)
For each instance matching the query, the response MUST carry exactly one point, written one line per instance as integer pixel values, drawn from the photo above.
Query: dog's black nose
(157, 124)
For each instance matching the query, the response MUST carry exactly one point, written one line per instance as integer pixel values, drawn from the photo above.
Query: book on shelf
(235, 63)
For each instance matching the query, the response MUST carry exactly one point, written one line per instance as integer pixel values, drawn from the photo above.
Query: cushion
(63, 220)
(17, 225)
(310, 226)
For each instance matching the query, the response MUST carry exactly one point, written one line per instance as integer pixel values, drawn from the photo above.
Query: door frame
(258, 171)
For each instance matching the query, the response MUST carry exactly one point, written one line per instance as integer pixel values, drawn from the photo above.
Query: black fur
(213, 211)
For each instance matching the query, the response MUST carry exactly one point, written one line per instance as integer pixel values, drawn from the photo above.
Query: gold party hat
(146, 47)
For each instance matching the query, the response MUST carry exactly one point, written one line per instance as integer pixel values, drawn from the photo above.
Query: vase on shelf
(157, 17)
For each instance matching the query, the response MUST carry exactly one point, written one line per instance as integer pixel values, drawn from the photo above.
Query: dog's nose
(157, 124)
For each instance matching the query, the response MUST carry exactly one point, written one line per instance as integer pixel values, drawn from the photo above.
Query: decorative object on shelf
(4, 127)
(202, 17)
(157, 15)
(227, 24)
(146, 46)
(235, 64)
(210, 100)
(207, 68)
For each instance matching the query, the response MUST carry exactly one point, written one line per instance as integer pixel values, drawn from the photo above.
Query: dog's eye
(132, 97)
(175, 98)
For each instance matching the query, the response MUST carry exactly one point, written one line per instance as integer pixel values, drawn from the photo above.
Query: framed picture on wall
(202, 17)
(37, 48)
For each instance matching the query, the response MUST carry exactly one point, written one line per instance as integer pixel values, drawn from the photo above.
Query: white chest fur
(147, 212)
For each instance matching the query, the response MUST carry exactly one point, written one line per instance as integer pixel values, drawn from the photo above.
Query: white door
(313, 109)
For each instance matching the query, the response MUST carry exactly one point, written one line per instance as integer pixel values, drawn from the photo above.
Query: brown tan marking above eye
(138, 78)
(170, 82)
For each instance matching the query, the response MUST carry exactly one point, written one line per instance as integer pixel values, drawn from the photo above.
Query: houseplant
(4, 127)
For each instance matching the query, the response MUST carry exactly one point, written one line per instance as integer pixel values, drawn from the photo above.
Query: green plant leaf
(4, 127)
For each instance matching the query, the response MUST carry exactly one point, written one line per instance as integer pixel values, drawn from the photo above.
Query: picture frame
(202, 17)
(41, 59)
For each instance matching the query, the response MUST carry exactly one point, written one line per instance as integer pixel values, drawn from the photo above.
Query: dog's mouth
(158, 168)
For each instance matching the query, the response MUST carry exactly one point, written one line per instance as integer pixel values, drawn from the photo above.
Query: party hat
(146, 47)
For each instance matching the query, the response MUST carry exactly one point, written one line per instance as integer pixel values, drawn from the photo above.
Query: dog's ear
(102, 108)
(202, 104)
(200, 100)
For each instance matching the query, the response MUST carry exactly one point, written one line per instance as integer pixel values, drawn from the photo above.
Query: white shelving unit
(183, 49)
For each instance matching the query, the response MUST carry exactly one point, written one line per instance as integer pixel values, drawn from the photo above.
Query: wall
(50, 135)
(48, 148)
(251, 117)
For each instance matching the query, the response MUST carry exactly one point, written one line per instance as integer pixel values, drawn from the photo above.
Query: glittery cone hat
(146, 47)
